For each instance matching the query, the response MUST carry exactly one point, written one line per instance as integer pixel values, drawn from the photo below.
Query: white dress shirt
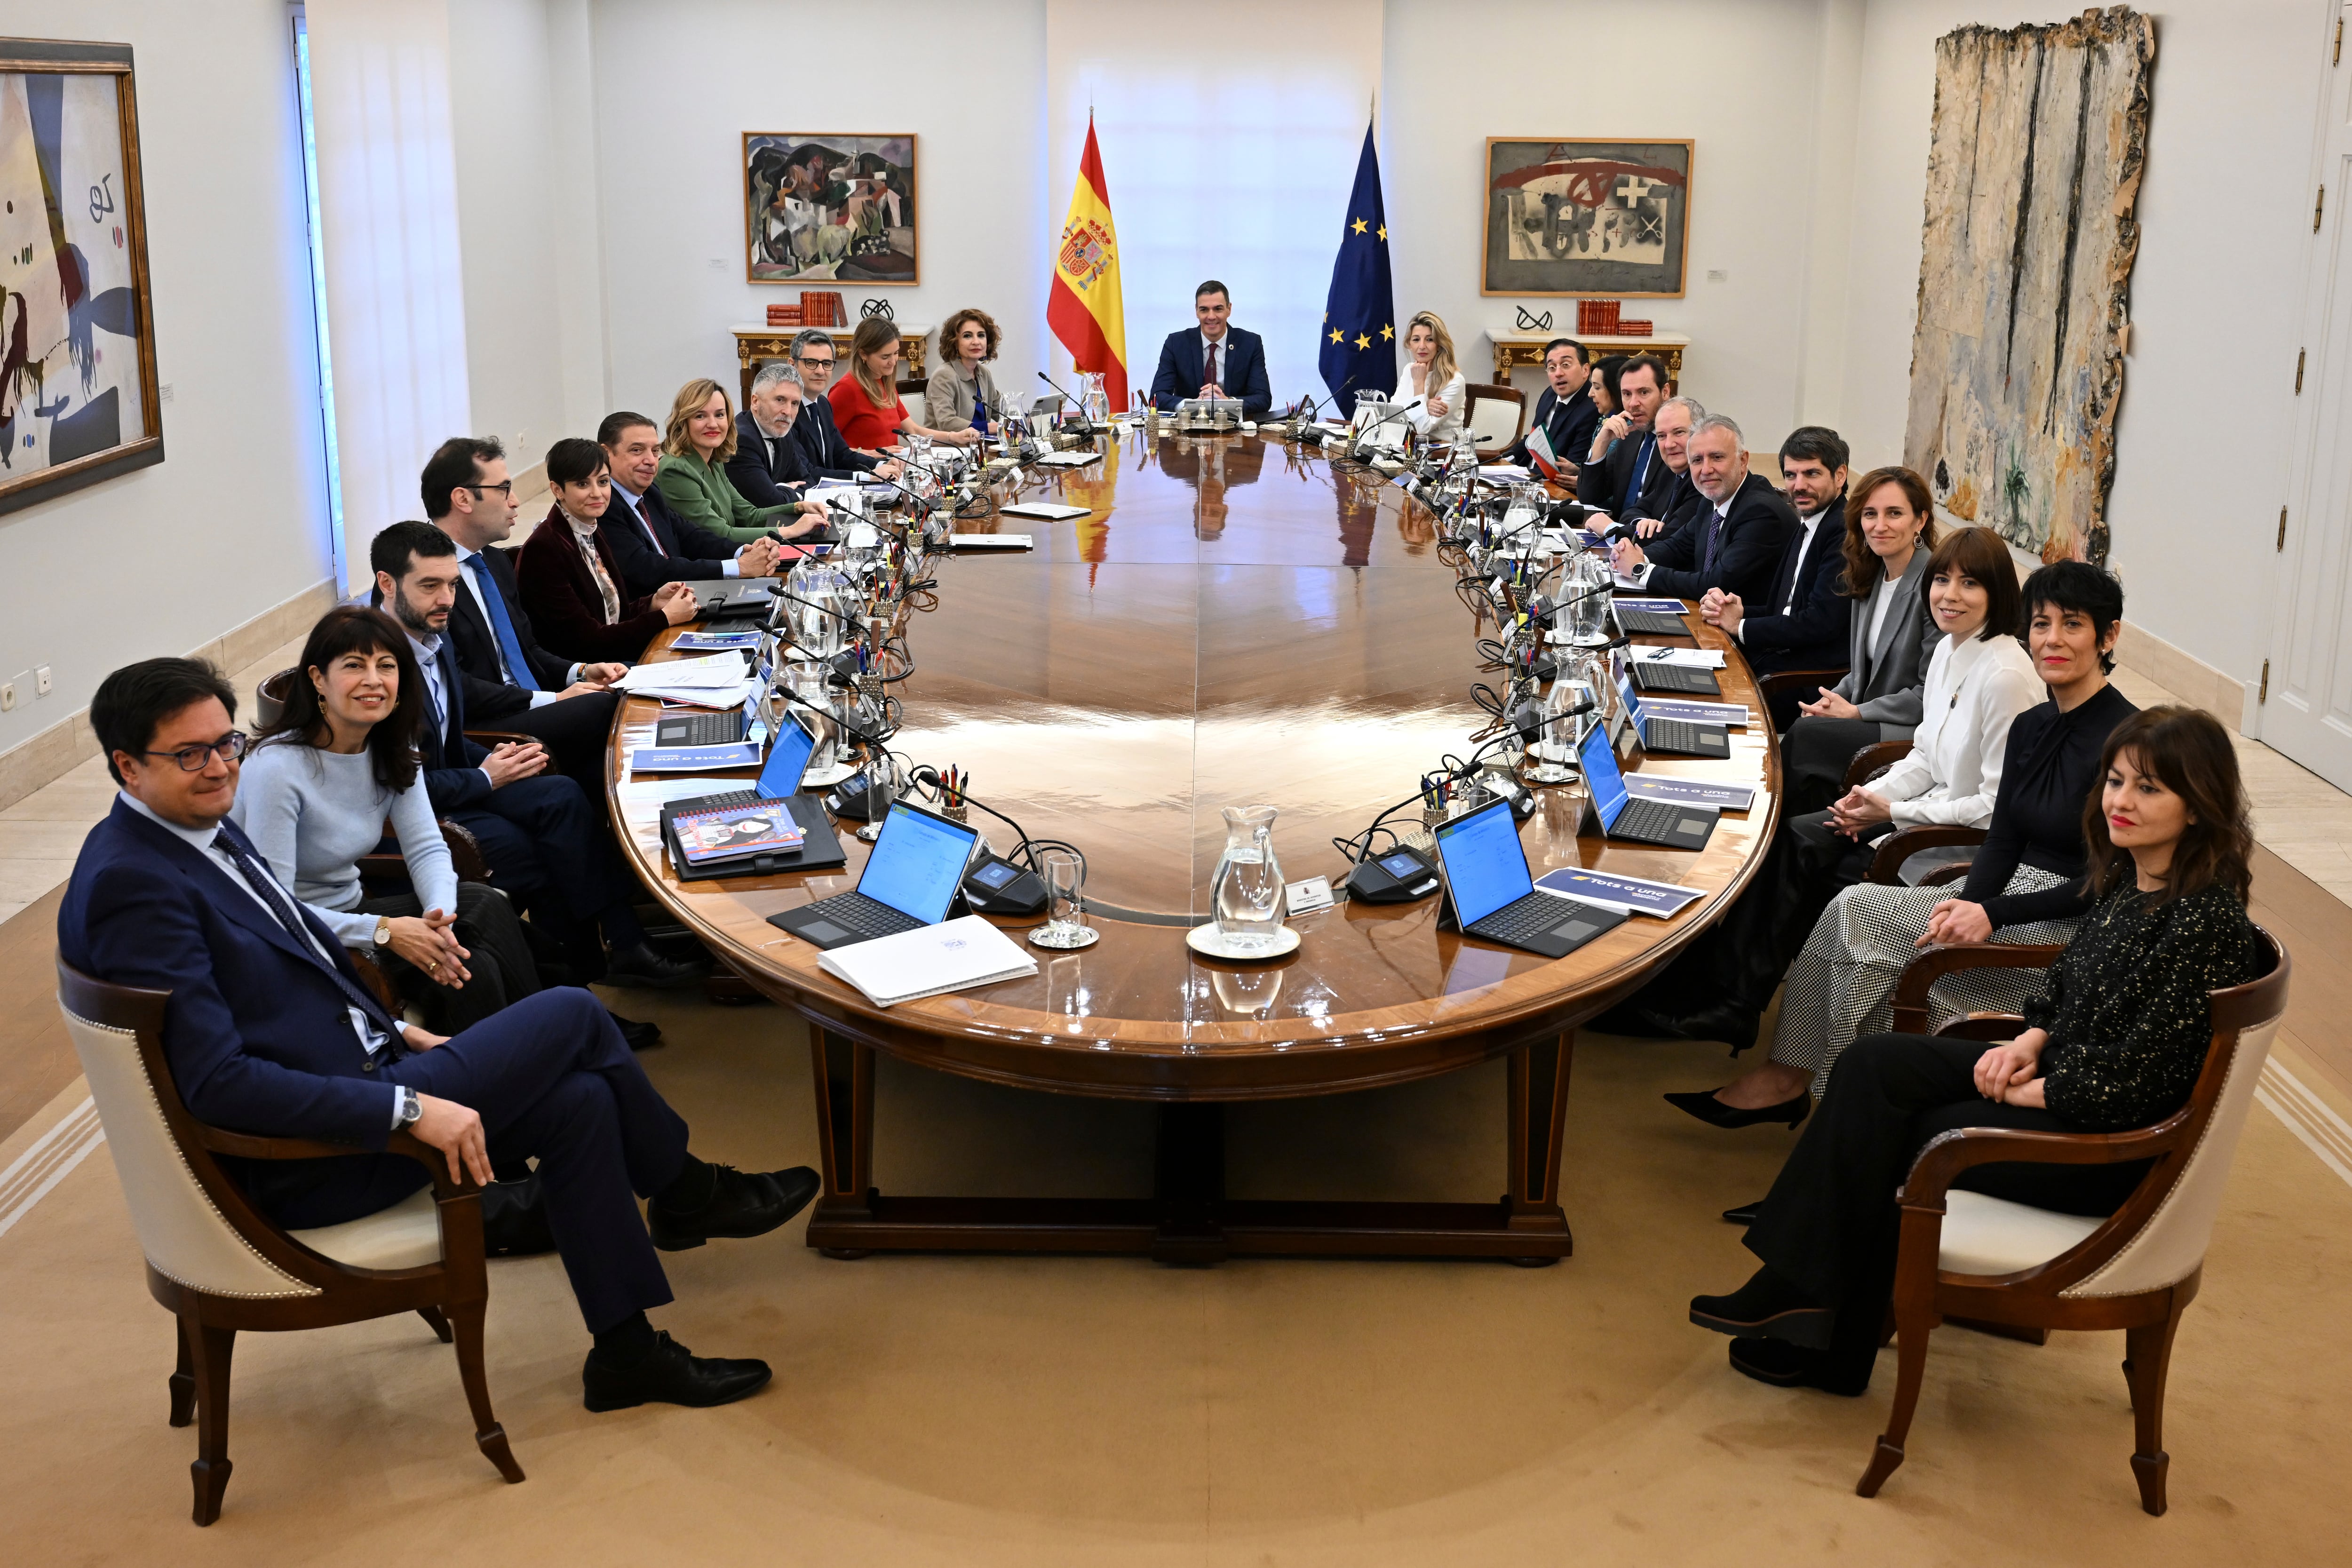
(466, 576)
(632, 502)
(436, 696)
(1225, 347)
(1810, 526)
(1434, 427)
(1975, 690)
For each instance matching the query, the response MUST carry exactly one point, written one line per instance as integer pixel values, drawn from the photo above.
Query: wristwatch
(410, 1109)
(383, 930)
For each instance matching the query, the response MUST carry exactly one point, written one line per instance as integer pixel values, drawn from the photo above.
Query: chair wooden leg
(435, 1321)
(183, 1381)
(465, 1319)
(1911, 1369)
(210, 1352)
(2148, 1361)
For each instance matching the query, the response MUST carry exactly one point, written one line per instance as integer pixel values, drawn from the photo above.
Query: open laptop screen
(918, 863)
(1485, 867)
(1603, 780)
(780, 776)
(1634, 710)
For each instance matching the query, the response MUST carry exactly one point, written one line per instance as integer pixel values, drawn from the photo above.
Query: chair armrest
(1910, 1004)
(465, 857)
(1803, 684)
(247, 1146)
(500, 738)
(1949, 1154)
(1904, 843)
(1992, 1029)
(1943, 875)
(1874, 760)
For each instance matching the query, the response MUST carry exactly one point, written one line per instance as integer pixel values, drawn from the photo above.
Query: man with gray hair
(768, 467)
(1735, 545)
(823, 454)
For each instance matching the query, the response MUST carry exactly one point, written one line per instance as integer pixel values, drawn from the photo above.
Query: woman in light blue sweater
(315, 795)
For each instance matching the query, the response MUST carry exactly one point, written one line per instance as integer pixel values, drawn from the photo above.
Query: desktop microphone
(1361, 450)
(1527, 717)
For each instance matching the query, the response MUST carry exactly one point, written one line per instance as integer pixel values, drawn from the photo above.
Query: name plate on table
(1734, 714)
(1649, 606)
(1629, 895)
(1690, 792)
(693, 759)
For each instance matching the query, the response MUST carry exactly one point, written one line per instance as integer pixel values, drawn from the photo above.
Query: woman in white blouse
(1432, 376)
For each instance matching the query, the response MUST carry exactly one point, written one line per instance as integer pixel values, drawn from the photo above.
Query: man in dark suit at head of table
(1214, 359)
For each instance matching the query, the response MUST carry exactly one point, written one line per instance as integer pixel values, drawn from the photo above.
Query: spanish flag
(1084, 310)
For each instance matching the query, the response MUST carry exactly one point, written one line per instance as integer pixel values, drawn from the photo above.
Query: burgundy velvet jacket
(559, 594)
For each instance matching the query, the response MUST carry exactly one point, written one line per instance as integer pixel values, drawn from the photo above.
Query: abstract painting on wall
(76, 341)
(839, 207)
(2033, 168)
(1585, 217)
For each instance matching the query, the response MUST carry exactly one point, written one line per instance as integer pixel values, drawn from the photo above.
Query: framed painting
(829, 208)
(1566, 217)
(77, 400)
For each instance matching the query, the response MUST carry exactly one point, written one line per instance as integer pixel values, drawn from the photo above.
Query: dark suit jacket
(454, 780)
(477, 645)
(1814, 635)
(822, 451)
(1567, 423)
(1602, 485)
(561, 594)
(256, 1034)
(1675, 504)
(765, 473)
(688, 551)
(1241, 370)
(1756, 531)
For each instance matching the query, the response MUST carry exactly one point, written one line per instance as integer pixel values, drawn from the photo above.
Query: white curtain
(1230, 131)
(396, 302)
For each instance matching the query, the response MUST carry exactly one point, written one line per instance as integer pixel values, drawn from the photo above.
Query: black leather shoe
(1745, 1214)
(1785, 1366)
(1768, 1306)
(670, 1374)
(741, 1204)
(644, 969)
(1635, 1022)
(641, 1036)
(1703, 1104)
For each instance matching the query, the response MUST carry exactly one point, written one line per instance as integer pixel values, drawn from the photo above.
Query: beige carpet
(969, 1410)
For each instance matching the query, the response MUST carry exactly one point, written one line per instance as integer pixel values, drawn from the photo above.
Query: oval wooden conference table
(1236, 622)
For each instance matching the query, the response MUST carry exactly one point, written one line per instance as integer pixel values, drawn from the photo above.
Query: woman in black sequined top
(2115, 1041)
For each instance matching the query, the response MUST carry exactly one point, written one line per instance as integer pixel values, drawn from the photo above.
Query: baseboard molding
(2183, 674)
(49, 756)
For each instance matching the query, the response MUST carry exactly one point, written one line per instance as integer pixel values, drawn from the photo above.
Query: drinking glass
(1556, 742)
(1586, 582)
(1064, 876)
(814, 708)
(1248, 884)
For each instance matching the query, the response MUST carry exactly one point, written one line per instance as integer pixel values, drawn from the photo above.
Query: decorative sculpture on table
(829, 206)
(78, 395)
(1585, 217)
(2034, 169)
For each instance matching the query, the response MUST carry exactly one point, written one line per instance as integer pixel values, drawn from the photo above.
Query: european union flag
(1359, 350)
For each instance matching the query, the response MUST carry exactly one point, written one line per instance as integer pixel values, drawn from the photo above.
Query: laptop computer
(1689, 681)
(1492, 896)
(1670, 737)
(1622, 817)
(1647, 623)
(909, 882)
(780, 781)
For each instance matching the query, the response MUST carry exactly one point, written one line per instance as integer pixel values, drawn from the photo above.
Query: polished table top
(1238, 622)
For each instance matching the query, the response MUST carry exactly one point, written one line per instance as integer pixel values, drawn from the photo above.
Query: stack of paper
(952, 956)
(714, 680)
(1688, 658)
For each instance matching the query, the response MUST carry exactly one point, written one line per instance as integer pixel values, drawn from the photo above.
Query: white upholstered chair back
(184, 1237)
(2171, 1245)
(1493, 421)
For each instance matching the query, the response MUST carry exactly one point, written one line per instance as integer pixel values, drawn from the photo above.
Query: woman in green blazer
(693, 473)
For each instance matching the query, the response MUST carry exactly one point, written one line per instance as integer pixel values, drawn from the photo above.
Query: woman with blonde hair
(1432, 376)
(865, 403)
(695, 445)
(961, 395)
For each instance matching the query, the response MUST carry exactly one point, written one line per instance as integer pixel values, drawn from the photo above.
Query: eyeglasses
(504, 488)
(197, 758)
(819, 363)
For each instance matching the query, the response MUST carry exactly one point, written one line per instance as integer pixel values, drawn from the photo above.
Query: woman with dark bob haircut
(569, 578)
(317, 790)
(2114, 1041)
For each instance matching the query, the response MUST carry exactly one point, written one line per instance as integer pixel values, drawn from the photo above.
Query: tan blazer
(946, 399)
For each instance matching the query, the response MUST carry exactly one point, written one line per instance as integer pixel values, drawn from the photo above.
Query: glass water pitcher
(1248, 884)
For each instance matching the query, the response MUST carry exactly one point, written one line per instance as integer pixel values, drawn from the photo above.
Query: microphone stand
(1361, 450)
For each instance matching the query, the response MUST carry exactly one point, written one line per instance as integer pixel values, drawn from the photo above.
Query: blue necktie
(509, 645)
(1634, 481)
(266, 886)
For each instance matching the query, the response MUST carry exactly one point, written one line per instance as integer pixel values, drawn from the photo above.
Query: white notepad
(1052, 511)
(1068, 459)
(989, 540)
(951, 956)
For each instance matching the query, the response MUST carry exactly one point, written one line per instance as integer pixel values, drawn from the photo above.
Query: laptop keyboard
(1676, 735)
(732, 799)
(867, 917)
(1644, 819)
(1531, 916)
(719, 728)
(1652, 624)
(1655, 677)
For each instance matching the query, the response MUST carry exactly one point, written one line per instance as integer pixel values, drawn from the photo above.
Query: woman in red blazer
(570, 582)
(866, 407)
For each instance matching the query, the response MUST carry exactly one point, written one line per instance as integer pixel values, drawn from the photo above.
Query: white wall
(2201, 436)
(675, 89)
(1740, 77)
(234, 520)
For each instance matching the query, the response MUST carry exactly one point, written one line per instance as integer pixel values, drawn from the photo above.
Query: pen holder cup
(869, 687)
(956, 813)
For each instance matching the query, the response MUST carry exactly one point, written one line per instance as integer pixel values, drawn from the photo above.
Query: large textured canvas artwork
(829, 207)
(2034, 169)
(77, 345)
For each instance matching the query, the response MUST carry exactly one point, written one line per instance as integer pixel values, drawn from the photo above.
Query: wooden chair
(1965, 1256)
(1493, 415)
(219, 1266)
